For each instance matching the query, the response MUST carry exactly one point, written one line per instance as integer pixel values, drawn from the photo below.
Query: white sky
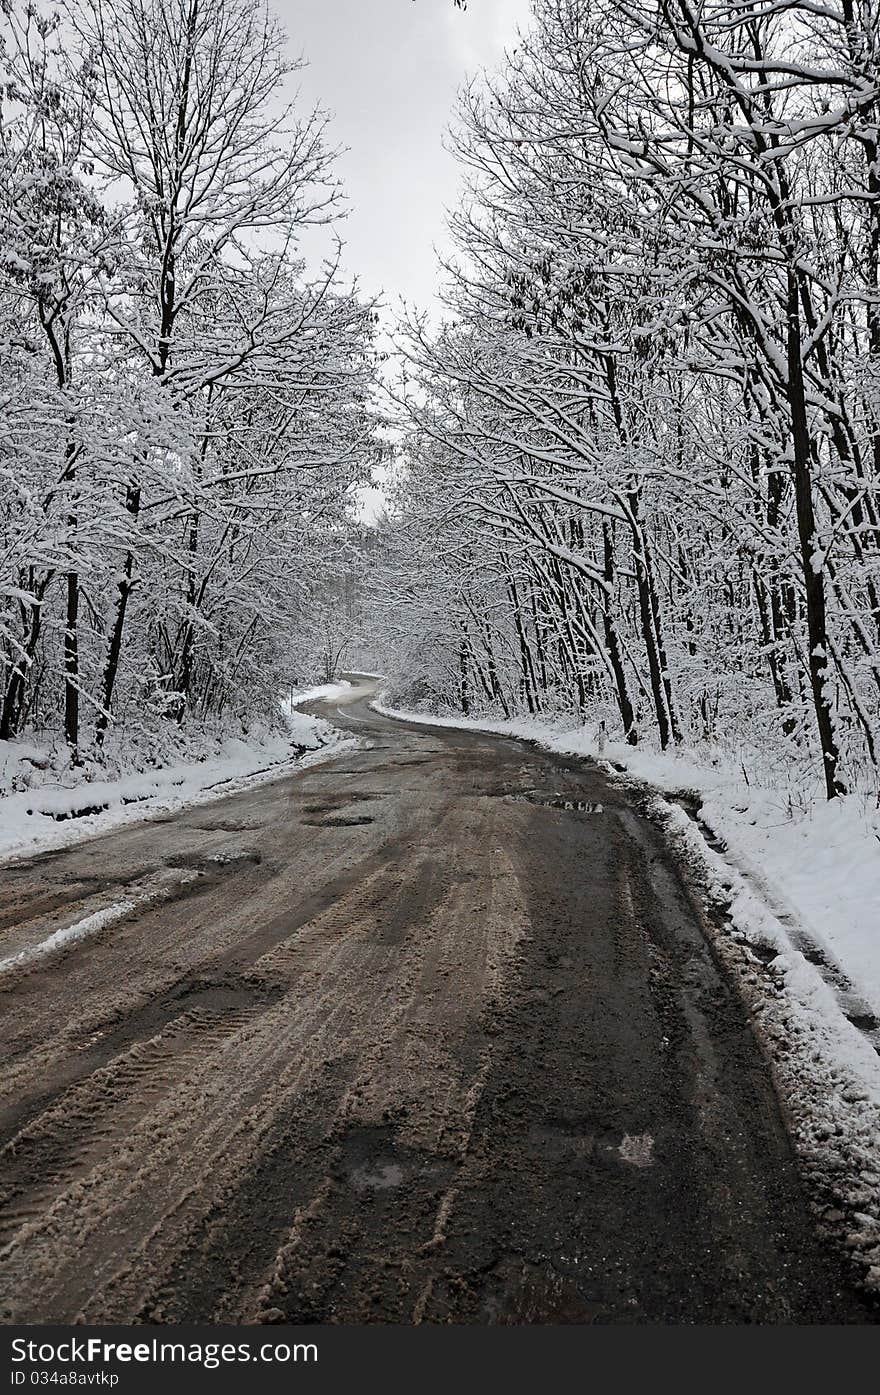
(388, 71)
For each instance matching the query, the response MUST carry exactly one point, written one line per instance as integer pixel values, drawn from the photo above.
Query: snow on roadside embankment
(325, 692)
(45, 803)
(795, 900)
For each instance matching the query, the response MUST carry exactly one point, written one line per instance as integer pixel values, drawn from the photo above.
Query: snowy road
(398, 1039)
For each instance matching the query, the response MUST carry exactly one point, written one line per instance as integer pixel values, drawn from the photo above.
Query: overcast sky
(388, 71)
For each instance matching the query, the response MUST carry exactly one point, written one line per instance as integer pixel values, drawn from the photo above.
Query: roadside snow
(45, 808)
(325, 692)
(89, 925)
(150, 890)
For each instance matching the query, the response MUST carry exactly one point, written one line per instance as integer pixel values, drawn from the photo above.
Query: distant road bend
(429, 1033)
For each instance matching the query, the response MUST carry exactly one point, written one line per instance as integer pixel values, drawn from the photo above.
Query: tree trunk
(811, 563)
(612, 641)
(71, 667)
(126, 584)
(646, 615)
(463, 680)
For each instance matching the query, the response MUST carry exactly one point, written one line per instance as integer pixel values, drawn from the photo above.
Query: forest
(439, 675)
(642, 450)
(630, 470)
(185, 407)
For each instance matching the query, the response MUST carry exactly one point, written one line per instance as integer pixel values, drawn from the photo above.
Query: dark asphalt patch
(338, 821)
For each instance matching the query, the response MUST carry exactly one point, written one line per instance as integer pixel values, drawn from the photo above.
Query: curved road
(427, 1033)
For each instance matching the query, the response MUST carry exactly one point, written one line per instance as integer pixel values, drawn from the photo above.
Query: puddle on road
(557, 801)
(382, 1177)
(375, 1162)
(230, 861)
(585, 1143)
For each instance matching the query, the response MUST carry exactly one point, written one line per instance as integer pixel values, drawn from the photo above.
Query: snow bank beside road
(43, 807)
(325, 692)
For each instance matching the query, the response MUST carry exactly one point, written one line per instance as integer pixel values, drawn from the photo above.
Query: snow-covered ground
(45, 803)
(325, 692)
(796, 890)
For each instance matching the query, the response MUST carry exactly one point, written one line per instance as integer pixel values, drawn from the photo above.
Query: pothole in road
(353, 822)
(558, 801)
(221, 997)
(580, 1142)
(216, 862)
(225, 826)
(374, 1161)
(524, 1292)
(329, 806)
(637, 1149)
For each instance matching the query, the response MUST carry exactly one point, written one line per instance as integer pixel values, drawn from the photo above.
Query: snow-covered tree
(187, 405)
(651, 417)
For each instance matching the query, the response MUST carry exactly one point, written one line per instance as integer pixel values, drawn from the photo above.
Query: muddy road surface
(428, 1033)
